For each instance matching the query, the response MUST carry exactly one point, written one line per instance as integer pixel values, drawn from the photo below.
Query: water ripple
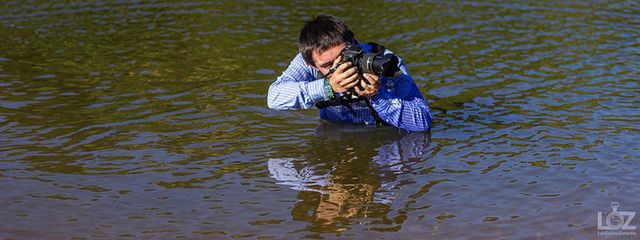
(136, 119)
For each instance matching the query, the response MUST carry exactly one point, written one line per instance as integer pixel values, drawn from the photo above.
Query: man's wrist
(328, 90)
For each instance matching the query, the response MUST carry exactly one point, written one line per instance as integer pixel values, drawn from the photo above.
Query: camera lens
(385, 65)
(376, 63)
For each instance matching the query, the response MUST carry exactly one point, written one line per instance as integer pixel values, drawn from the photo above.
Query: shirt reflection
(350, 172)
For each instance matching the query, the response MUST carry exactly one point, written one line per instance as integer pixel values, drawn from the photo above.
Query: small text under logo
(616, 223)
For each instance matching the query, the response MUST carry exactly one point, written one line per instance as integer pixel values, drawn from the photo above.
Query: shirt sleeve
(296, 88)
(400, 103)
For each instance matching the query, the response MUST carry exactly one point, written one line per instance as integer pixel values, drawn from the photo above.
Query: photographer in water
(349, 81)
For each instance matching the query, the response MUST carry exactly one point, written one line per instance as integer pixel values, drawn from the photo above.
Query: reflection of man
(346, 181)
(343, 200)
(337, 199)
(318, 77)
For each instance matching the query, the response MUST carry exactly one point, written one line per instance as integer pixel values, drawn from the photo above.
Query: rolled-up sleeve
(296, 88)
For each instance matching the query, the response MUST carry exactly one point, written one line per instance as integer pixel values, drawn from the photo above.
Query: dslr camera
(375, 63)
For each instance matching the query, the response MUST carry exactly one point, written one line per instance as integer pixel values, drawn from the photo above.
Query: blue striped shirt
(398, 102)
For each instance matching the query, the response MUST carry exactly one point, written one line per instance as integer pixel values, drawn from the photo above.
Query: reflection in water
(348, 172)
(136, 119)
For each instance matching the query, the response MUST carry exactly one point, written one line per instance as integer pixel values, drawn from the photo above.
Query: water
(146, 119)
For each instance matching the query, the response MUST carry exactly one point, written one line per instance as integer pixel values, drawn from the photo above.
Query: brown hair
(320, 34)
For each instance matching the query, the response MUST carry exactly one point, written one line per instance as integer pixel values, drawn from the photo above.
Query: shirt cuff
(316, 91)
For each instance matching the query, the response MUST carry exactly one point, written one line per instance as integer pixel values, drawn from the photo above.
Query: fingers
(345, 84)
(350, 82)
(362, 90)
(339, 73)
(336, 72)
(347, 75)
(342, 67)
(350, 76)
(337, 61)
(362, 93)
(372, 79)
(344, 77)
(371, 88)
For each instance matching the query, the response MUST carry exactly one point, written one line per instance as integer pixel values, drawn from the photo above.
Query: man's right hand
(344, 77)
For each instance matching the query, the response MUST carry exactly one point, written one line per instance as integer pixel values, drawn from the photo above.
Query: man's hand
(371, 89)
(344, 77)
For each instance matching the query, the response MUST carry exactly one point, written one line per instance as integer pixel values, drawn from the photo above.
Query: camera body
(376, 63)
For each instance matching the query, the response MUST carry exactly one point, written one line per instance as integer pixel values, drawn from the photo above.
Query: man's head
(325, 33)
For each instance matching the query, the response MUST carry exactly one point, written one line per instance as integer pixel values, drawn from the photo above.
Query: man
(317, 77)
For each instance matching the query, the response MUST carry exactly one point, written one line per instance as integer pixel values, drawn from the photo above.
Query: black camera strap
(375, 115)
(346, 100)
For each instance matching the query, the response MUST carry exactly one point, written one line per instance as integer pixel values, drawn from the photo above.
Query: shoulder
(299, 67)
(299, 63)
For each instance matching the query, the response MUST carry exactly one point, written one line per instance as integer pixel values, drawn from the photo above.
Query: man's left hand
(371, 89)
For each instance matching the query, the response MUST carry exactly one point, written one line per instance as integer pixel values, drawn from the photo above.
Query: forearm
(296, 88)
(288, 94)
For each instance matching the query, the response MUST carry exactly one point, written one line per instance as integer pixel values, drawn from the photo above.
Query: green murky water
(149, 119)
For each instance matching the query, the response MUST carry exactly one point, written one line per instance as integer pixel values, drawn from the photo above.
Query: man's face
(323, 61)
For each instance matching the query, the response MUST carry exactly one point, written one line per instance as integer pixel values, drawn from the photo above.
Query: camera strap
(379, 49)
(346, 100)
(375, 115)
